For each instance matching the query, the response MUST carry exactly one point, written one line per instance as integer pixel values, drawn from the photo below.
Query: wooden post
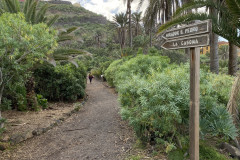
(194, 103)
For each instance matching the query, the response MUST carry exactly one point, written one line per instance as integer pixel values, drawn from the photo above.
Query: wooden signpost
(191, 36)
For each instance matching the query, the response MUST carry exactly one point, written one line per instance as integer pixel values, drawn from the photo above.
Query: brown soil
(96, 132)
(20, 122)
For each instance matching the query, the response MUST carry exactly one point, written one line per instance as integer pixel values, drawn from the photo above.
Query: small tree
(21, 45)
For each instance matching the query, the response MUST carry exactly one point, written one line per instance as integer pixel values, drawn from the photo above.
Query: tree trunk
(150, 34)
(123, 36)
(233, 55)
(31, 95)
(214, 60)
(130, 22)
(136, 34)
(1, 93)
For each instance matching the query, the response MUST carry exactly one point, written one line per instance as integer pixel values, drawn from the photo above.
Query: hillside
(88, 23)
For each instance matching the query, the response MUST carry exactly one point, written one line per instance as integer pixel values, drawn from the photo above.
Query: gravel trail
(96, 132)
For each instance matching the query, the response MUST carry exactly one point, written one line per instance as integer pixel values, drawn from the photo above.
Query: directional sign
(187, 42)
(188, 30)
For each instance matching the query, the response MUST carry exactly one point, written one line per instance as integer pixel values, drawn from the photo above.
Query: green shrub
(175, 56)
(206, 152)
(101, 69)
(142, 65)
(42, 101)
(154, 98)
(14, 96)
(62, 83)
(111, 71)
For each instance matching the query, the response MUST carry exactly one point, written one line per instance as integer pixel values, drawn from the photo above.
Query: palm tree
(158, 11)
(225, 25)
(129, 14)
(120, 22)
(136, 20)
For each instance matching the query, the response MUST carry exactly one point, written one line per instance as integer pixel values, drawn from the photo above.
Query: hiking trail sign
(187, 42)
(191, 36)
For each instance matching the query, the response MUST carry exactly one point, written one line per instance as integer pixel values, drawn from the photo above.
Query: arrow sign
(187, 42)
(188, 30)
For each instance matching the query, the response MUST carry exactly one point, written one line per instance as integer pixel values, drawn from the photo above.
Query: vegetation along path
(96, 132)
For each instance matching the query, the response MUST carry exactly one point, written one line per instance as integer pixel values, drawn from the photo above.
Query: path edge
(18, 138)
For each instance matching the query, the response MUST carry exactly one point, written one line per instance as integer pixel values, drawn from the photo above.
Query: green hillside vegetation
(88, 23)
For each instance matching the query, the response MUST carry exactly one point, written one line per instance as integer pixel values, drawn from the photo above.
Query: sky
(108, 8)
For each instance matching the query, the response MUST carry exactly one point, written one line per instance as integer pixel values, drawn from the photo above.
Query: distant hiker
(102, 77)
(90, 76)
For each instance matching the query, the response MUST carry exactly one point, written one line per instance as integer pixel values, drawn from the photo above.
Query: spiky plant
(30, 11)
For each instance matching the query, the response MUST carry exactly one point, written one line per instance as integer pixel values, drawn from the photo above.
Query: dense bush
(154, 98)
(101, 69)
(22, 45)
(141, 65)
(64, 82)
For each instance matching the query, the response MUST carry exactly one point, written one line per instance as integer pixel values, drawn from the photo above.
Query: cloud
(107, 8)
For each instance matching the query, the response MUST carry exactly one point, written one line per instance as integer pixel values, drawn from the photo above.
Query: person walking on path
(90, 76)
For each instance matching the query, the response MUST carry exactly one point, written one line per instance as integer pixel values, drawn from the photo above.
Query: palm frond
(234, 7)
(68, 31)
(9, 6)
(31, 12)
(17, 5)
(140, 4)
(26, 6)
(52, 20)
(62, 38)
(41, 13)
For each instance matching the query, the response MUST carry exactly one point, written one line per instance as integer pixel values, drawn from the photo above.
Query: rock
(27, 135)
(38, 131)
(17, 138)
(235, 152)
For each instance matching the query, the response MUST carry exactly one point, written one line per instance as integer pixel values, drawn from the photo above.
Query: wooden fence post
(194, 103)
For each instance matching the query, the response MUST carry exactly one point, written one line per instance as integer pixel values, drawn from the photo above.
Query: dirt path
(96, 132)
